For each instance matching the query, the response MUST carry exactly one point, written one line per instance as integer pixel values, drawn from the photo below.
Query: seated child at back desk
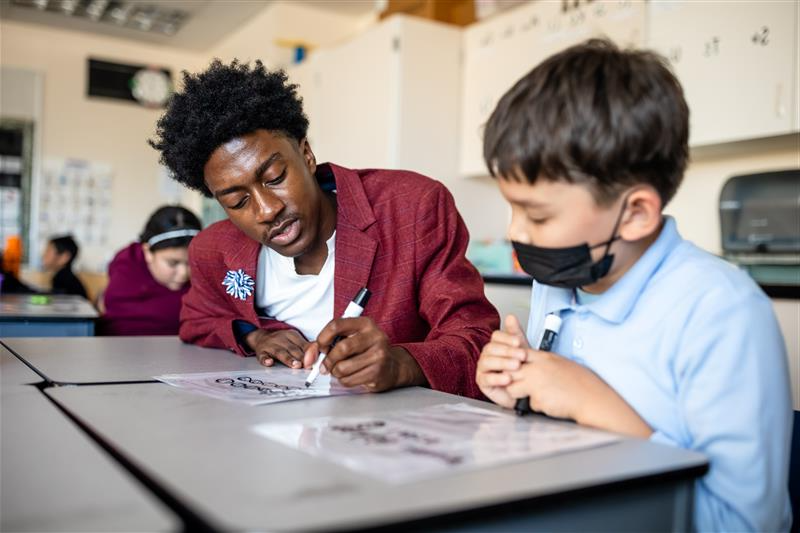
(57, 259)
(147, 280)
(659, 339)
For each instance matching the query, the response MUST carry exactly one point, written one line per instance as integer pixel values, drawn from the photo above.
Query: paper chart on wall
(258, 387)
(409, 445)
(75, 197)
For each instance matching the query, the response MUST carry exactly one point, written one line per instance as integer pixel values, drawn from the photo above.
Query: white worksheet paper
(409, 445)
(258, 387)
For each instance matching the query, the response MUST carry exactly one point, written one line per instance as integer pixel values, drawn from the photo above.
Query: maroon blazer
(397, 233)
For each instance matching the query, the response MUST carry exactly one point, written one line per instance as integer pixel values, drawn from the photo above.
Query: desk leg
(684, 508)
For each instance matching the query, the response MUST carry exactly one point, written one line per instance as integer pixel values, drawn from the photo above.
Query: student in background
(11, 284)
(147, 280)
(10, 259)
(57, 259)
(265, 277)
(59, 254)
(659, 339)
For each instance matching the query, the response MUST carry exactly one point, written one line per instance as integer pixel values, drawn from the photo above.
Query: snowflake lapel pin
(238, 284)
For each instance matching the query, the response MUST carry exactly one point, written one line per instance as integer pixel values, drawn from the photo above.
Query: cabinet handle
(780, 104)
(485, 106)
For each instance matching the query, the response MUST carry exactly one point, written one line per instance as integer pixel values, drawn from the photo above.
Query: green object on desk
(40, 299)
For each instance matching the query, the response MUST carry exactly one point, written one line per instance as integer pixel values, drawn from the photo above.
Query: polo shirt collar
(617, 302)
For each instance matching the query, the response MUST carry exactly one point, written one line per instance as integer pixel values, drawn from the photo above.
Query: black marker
(354, 309)
(552, 323)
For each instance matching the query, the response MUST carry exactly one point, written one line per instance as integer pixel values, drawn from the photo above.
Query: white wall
(21, 94)
(482, 207)
(285, 20)
(109, 131)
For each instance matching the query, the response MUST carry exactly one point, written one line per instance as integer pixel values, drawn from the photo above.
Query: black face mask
(567, 268)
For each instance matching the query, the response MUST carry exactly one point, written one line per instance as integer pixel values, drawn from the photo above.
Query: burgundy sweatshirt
(136, 304)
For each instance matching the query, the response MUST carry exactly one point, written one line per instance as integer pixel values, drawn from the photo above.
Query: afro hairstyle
(220, 104)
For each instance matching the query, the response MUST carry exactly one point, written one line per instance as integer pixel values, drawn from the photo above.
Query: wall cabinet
(388, 98)
(737, 62)
(501, 50)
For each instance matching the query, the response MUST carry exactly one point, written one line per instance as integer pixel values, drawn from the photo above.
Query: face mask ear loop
(614, 235)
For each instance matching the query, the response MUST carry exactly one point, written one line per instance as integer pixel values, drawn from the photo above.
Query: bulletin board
(75, 197)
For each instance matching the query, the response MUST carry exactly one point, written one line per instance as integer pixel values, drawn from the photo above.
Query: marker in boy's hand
(552, 324)
(510, 370)
(558, 387)
(504, 354)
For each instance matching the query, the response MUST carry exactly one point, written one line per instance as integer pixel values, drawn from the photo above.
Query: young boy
(659, 339)
(57, 259)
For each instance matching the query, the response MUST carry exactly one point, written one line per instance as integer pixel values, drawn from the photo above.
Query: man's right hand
(286, 345)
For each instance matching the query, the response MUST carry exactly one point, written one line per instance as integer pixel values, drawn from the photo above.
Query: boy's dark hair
(169, 218)
(65, 243)
(593, 114)
(224, 102)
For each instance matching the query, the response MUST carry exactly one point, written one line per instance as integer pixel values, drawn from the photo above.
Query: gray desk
(120, 359)
(203, 452)
(63, 316)
(54, 478)
(15, 375)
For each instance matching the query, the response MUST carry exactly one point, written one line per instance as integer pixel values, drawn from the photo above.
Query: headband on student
(174, 234)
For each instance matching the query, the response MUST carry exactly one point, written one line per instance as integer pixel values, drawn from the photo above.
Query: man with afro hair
(302, 238)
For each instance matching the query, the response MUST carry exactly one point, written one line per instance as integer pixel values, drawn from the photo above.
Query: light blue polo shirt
(692, 344)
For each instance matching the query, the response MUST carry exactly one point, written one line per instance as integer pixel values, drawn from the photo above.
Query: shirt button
(577, 343)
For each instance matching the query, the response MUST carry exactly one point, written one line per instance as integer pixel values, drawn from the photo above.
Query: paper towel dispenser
(760, 213)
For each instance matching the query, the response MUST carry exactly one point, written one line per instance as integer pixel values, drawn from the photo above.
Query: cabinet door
(477, 99)
(736, 62)
(622, 21)
(307, 76)
(490, 69)
(356, 103)
(498, 52)
(429, 84)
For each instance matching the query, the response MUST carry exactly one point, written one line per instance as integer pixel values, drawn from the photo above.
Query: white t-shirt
(305, 301)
